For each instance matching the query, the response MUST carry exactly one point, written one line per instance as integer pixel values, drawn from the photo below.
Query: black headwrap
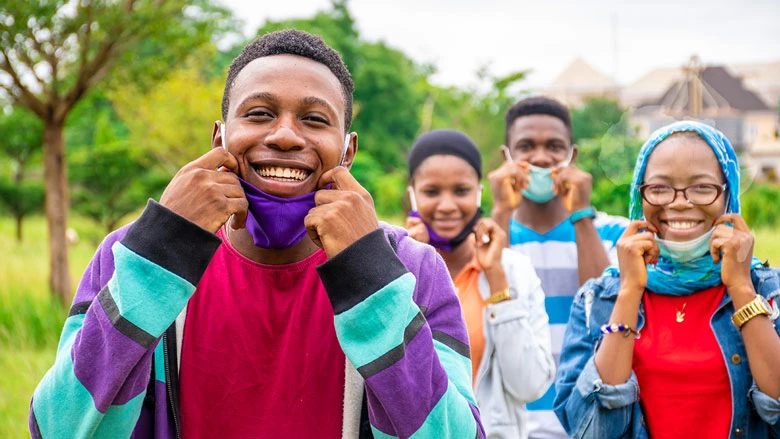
(444, 142)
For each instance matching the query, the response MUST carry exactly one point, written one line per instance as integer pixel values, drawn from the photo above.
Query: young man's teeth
(278, 172)
(682, 225)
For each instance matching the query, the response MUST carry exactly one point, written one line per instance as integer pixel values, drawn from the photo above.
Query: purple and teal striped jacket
(397, 318)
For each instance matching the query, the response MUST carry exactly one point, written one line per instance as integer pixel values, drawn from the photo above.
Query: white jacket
(517, 366)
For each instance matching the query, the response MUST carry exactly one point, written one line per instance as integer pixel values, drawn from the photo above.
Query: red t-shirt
(260, 356)
(684, 386)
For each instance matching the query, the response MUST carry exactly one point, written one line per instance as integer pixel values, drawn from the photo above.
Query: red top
(683, 381)
(260, 356)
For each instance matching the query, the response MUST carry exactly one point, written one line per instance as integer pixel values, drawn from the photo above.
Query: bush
(760, 207)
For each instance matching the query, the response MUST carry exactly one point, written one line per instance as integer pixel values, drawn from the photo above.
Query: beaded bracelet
(619, 327)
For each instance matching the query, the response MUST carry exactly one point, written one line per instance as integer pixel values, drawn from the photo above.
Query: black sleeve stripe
(360, 270)
(79, 308)
(395, 354)
(124, 326)
(172, 242)
(452, 342)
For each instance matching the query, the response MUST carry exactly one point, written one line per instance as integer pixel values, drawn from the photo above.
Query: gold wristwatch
(756, 307)
(499, 296)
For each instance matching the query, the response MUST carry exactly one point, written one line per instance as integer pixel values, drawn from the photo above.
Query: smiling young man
(261, 297)
(543, 202)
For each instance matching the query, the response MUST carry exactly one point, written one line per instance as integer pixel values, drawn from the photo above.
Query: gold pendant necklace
(681, 314)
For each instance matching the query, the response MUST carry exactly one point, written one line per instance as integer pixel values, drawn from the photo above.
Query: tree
(597, 117)
(172, 123)
(110, 179)
(20, 140)
(53, 52)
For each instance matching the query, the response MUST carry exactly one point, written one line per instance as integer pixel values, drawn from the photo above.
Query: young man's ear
(574, 151)
(216, 135)
(351, 150)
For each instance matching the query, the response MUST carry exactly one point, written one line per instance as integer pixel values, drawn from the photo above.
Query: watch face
(774, 311)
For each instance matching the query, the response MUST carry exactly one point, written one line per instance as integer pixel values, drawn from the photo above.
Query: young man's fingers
(341, 179)
(239, 207)
(216, 158)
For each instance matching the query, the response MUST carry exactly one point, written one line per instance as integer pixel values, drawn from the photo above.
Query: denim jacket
(589, 408)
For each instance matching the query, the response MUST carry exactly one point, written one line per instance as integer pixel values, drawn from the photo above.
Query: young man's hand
(344, 213)
(507, 184)
(574, 186)
(207, 196)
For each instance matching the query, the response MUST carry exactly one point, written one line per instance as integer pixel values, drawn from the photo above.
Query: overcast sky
(624, 39)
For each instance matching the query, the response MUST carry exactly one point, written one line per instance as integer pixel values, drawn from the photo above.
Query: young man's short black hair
(292, 42)
(537, 105)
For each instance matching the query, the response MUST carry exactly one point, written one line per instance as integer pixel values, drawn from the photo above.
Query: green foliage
(387, 94)
(20, 140)
(760, 207)
(172, 124)
(110, 179)
(597, 117)
(610, 160)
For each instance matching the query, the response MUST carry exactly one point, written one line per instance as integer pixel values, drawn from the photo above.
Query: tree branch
(26, 98)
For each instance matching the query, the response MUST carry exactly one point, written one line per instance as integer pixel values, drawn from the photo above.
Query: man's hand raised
(205, 195)
(344, 213)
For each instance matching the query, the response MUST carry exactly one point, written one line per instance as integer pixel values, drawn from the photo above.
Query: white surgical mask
(685, 251)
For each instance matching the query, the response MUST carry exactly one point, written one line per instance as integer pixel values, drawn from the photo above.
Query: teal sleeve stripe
(379, 435)
(451, 412)
(376, 325)
(120, 420)
(60, 387)
(458, 370)
(147, 295)
(159, 363)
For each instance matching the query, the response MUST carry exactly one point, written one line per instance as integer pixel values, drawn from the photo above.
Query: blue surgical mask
(540, 185)
(540, 182)
(685, 251)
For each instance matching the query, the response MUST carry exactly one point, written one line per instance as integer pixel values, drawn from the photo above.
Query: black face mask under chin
(450, 244)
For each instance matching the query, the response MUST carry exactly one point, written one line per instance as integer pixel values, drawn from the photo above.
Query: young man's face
(285, 124)
(540, 140)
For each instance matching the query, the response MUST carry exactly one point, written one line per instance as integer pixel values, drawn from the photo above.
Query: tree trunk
(57, 207)
(19, 228)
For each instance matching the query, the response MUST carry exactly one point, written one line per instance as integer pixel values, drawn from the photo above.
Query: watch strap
(756, 307)
(588, 212)
(499, 296)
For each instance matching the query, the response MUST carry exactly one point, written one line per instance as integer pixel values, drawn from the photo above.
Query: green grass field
(30, 322)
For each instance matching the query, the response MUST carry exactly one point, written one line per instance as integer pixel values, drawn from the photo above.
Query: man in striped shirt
(543, 201)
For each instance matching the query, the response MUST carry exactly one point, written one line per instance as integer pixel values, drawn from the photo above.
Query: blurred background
(102, 102)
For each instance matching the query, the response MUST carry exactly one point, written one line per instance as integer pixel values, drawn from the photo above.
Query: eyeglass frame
(721, 189)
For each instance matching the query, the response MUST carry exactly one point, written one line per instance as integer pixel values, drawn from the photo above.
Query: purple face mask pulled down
(448, 244)
(276, 222)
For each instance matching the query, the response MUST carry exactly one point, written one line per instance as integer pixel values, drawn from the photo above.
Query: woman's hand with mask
(417, 230)
(734, 247)
(490, 243)
(573, 185)
(206, 196)
(636, 249)
(344, 213)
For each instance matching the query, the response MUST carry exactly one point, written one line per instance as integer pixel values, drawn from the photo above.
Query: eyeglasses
(702, 194)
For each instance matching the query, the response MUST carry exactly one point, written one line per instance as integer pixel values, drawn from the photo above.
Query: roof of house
(720, 91)
(579, 74)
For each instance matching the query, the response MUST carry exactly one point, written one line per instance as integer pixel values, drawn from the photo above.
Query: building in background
(739, 100)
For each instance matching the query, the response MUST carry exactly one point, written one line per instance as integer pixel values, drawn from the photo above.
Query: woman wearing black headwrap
(500, 294)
